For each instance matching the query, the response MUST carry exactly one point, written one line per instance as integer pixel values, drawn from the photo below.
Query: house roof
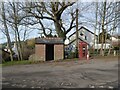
(80, 29)
(116, 36)
(49, 40)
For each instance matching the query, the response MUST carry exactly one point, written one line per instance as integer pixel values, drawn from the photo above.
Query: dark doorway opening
(49, 52)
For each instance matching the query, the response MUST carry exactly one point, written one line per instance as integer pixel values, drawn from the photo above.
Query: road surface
(66, 74)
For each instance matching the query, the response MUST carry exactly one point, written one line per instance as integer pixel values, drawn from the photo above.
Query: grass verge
(23, 62)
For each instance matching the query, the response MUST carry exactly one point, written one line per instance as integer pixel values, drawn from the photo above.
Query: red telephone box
(83, 50)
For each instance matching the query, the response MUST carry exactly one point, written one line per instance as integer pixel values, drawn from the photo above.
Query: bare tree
(51, 11)
(14, 19)
(105, 20)
(116, 21)
(6, 31)
(110, 19)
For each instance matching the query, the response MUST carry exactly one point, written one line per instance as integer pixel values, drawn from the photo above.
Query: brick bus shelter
(47, 49)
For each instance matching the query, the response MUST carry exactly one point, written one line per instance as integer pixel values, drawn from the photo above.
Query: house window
(81, 34)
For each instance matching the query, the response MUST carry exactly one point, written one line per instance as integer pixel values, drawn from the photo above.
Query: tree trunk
(19, 43)
(98, 39)
(103, 30)
(7, 32)
(59, 31)
(95, 25)
(15, 9)
(17, 46)
(105, 43)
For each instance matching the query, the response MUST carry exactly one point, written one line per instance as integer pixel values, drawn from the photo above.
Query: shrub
(27, 52)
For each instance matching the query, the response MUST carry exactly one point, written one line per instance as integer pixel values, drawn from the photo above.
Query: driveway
(94, 73)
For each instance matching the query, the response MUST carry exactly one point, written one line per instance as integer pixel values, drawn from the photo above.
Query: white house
(115, 41)
(84, 35)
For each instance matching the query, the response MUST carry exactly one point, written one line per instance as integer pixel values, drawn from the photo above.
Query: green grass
(17, 63)
(24, 62)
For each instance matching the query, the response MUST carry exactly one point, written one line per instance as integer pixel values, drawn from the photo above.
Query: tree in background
(106, 37)
(14, 20)
(6, 31)
(106, 21)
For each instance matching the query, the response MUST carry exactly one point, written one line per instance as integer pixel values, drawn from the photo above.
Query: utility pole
(77, 33)
(96, 18)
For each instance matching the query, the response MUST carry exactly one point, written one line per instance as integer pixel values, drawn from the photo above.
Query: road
(66, 74)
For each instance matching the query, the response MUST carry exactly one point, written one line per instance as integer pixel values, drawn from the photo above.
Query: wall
(58, 52)
(40, 52)
(89, 36)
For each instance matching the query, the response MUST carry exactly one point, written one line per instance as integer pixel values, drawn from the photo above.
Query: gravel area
(94, 73)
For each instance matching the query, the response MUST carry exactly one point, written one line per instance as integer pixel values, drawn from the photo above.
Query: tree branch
(60, 11)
